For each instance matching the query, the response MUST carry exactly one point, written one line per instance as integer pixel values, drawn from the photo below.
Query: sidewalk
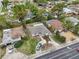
(51, 50)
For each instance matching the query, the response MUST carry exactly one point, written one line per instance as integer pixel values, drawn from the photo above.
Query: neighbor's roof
(55, 23)
(12, 35)
(67, 10)
(72, 19)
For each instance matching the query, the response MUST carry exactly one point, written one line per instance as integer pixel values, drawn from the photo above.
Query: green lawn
(58, 38)
(28, 46)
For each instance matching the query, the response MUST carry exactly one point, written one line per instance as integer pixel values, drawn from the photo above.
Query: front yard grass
(58, 38)
(28, 46)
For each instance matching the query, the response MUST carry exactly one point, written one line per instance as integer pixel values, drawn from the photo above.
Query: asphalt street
(64, 53)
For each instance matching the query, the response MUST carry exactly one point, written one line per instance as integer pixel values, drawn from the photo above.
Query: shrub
(59, 38)
(18, 44)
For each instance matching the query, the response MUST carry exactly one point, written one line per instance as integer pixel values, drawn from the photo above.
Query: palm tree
(58, 8)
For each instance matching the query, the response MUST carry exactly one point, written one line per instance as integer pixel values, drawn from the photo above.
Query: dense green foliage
(28, 46)
(76, 29)
(18, 44)
(58, 8)
(41, 1)
(68, 24)
(19, 11)
(59, 38)
(75, 2)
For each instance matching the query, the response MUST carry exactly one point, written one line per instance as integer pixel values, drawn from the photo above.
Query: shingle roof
(38, 29)
(12, 35)
(55, 23)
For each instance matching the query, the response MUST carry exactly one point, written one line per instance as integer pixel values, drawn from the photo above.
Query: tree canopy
(5, 3)
(19, 11)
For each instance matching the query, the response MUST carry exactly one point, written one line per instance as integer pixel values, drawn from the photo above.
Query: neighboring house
(74, 7)
(69, 36)
(12, 35)
(55, 24)
(69, 11)
(74, 20)
(38, 29)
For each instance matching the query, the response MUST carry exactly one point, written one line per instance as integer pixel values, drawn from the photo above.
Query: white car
(10, 49)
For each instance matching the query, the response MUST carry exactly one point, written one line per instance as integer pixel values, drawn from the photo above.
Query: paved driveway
(12, 53)
(15, 55)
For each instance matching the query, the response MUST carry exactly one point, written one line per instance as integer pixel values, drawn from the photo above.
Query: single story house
(39, 31)
(36, 29)
(55, 24)
(12, 35)
(74, 7)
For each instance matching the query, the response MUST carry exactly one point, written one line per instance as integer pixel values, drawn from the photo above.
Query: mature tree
(32, 7)
(59, 38)
(20, 12)
(75, 2)
(76, 29)
(41, 1)
(58, 8)
(68, 24)
(39, 17)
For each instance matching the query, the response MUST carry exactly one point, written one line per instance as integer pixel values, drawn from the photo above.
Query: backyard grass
(28, 46)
